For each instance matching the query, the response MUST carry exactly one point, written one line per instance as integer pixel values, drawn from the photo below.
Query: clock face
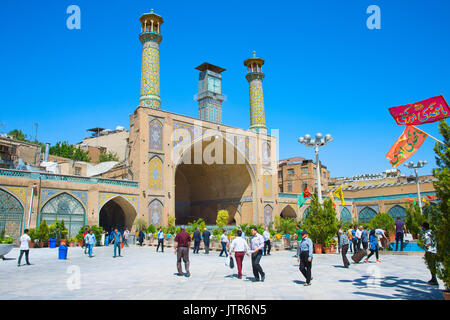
(214, 85)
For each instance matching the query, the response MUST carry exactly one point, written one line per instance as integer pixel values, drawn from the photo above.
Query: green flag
(301, 200)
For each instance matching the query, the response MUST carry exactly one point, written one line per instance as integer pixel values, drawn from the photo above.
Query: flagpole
(430, 136)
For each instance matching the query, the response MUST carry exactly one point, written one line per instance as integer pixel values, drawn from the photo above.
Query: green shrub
(414, 219)
(383, 221)
(43, 231)
(58, 230)
(321, 223)
(192, 226)
(151, 229)
(222, 218)
(288, 226)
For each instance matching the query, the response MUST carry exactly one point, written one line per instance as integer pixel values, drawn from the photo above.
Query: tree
(140, 224)
(110, 156)
(414, 219)
(17, 134)
(321, 222)
(66, 150)
(383, 221)
(442, 216)
(222, 218)
(287, 226)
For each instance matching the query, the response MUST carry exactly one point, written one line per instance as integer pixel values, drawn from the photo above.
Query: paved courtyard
(144, 274)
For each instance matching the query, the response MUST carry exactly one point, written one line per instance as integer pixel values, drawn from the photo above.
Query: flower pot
(80, 243)
(40, 244)
(62, 242)
(333, 249)
(392, 237)
(318, 247)
(446, 294)
(32, 244)
(71, 244)
(327, 250)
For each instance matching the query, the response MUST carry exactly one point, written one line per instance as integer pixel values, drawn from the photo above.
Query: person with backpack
(373, 246)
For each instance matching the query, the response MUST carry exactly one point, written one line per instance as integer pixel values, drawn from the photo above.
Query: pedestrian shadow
(339, 266)
(6, 259)
(231, 276)
(298, 282)
(409, 289)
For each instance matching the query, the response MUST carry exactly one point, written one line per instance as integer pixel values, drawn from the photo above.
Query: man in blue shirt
(354, 239)
(90, 240)
(365, 238)
(117, 237)
(160, 240)
(306, 255)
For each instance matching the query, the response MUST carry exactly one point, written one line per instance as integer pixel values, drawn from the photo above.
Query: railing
(66, 178)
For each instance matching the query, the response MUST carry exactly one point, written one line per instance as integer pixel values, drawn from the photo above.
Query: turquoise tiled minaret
(150, 37)
(255, 77)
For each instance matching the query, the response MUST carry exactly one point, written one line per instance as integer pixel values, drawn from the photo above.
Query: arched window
(397, 211)
(366, 215)
(11, 215)
(306, 212)
(155, 213)
(267, 215)
(64, 207)
(156, 135)
(346, 215)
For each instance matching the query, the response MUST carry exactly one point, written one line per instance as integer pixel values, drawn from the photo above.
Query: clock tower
(210, 95)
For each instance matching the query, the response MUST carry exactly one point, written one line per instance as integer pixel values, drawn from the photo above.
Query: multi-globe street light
(418, 165)
(319, 141)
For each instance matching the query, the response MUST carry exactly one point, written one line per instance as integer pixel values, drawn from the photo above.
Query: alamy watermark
(73, 22)
(374, 20)
(74, 280)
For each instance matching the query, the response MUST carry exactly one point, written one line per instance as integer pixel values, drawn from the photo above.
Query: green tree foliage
(414, 219)
(58, 230)
(192, 226)
(17, 134)
(96, 230)
(171, 225)
(43, 231)
(441, 217)
(288, 225)
(151, 229)
(222, 218)
(383, 221)
(140, 224)
(110, 156)
(66, 150)
(321, 223)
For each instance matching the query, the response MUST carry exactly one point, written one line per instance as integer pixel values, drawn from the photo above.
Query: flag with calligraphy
(426, 111)
(306, 193)
(405, 146)
(301, 200)
(340, 194)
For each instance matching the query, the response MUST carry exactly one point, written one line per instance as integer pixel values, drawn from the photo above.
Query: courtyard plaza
(143, 273)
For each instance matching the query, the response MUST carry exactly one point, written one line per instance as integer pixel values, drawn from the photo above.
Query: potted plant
(79, 239)
(321, 224)
(32, 233)
(43, 234)
(72, 241)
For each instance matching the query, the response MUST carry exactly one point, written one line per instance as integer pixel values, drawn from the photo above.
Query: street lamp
(319, 141)
(418, 165)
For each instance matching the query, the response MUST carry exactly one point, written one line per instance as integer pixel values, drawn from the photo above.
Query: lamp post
(418, 165)
(319, 141)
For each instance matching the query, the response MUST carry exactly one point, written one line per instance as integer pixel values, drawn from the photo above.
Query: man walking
(430, 252)
(365, 238)
(86, 247)
(240, 248)
(126, 236)
(206, 238)
(266, 236)
(90, 241)
(344, 243)
(256, 247)
(117, 238)
(350, 238)
(298, 237)
(358, 238)
(399, 228)
(24, 247)
(306, 255)
(160, 240)
(354, 239)
(224, 242)
(197, 238)
(182, 242)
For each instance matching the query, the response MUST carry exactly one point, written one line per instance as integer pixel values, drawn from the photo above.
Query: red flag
(405, 146)
(426, 111)
(306, 193)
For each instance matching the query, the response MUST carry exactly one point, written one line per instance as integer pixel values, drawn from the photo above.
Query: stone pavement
(144, 274)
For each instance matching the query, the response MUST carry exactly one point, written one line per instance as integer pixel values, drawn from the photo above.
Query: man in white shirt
(358, 234)
(240, 247)
(224, 241)
(380, 233)
(24, 247)
(430, 252)
(126, 236)
(256, 247)
(266, 236)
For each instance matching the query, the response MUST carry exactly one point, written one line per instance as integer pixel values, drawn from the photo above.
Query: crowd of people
(357, 240)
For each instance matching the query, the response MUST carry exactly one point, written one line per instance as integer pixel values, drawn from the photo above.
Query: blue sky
(325, 70)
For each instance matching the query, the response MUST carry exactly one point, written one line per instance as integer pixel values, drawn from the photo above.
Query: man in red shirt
(182, 242)
(86, 231)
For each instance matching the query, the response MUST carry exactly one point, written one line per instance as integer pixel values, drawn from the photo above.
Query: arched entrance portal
(11, 215)
(117, 213)
(201, 190)
(288, 212)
